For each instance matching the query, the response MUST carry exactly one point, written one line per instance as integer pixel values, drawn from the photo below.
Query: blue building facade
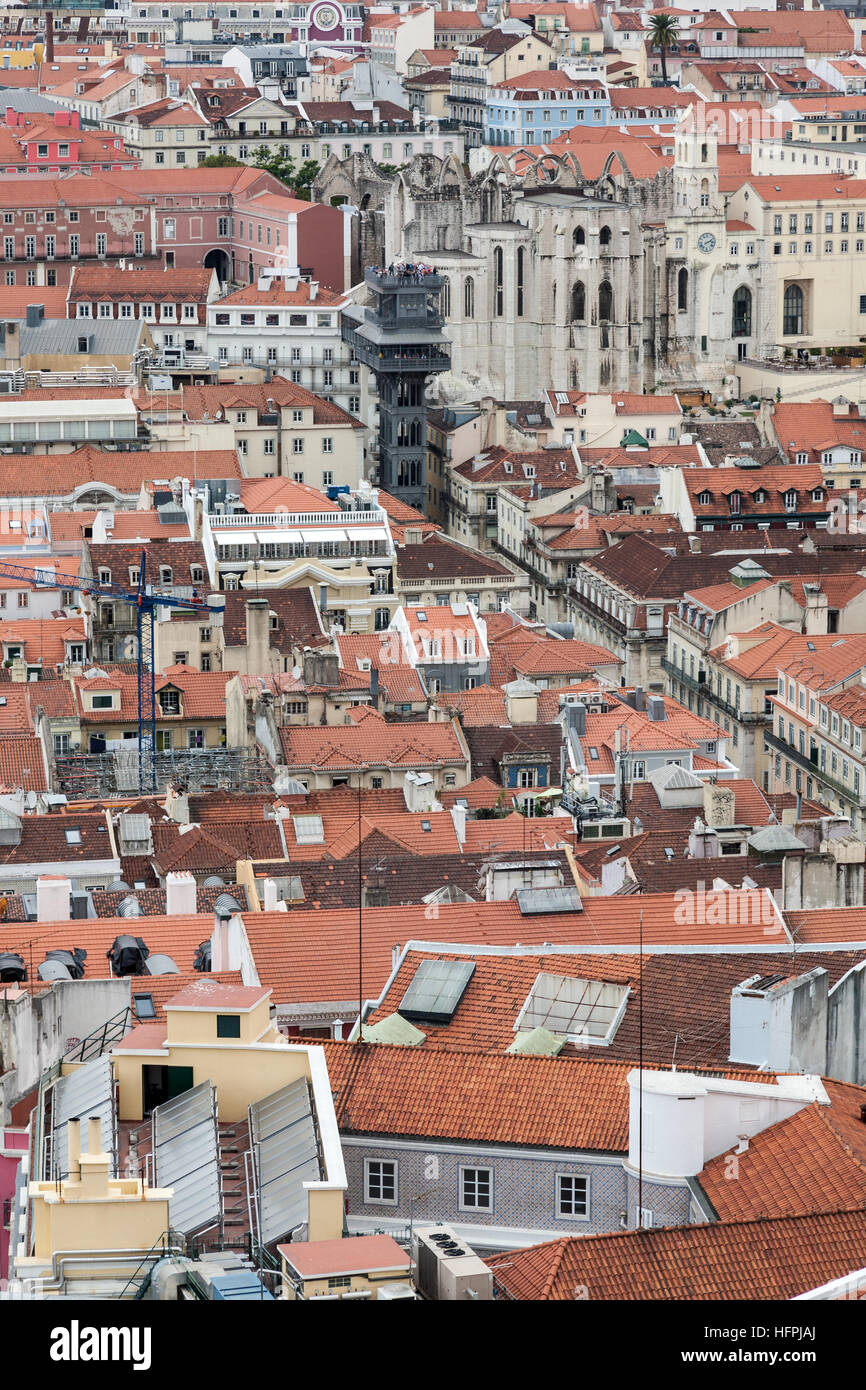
(532, 116)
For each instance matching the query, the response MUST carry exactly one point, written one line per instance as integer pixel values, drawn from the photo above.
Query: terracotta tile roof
(203, 694)
(686, 998)
(371, 743)
(61, 474)
(828, 924)
(437, 559)
(136, 283)
(540, 1101)
(765, 1259)
(198, 400)
(296, 611)
(457, 19)
(772, 482)
(480, 792)
(810, 427)
(43, 639)
(22, 762)
(118, 557)
(546, 657)
(489, 745)
(813, 1161)
(43, 838)
(276, 293)
(215, 847)
(478, 708)
(717, 597)
(316, 1259)
(177, 936)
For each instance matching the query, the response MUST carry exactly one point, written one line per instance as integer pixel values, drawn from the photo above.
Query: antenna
(360, 925)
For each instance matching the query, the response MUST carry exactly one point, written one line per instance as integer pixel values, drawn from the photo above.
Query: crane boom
(146, 602)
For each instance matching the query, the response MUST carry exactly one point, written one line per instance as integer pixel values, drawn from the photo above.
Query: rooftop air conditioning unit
(447, 1268)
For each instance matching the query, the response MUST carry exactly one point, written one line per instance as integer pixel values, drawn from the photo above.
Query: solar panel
(86, 1092)
(285, 1148)
(537, 900)
(436, 990)
(186, 1157)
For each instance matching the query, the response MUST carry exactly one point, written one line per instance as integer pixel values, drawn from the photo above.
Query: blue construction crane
(146, 602)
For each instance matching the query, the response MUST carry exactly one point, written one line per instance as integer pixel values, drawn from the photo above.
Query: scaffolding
(200, 770)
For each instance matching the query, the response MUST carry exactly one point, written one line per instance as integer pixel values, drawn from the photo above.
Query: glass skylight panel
(436, 990)
(308, 830)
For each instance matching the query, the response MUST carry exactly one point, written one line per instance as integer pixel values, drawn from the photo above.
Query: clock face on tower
(325, 17)
(706, 242)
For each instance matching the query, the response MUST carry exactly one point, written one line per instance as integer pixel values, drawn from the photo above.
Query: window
(228, 1025)
(572, 1196)
(476, 1189)
(380, 1180)
(578, 302)
(792, 312)
(741, 324)
(683, 289)
(498, 281)
(61, 744)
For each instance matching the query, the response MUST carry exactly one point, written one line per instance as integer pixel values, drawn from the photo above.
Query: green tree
(663, 34)
(220, 161)
(283, 167)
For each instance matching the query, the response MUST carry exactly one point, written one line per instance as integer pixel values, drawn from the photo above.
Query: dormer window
(817, 494)
(791, 500)
(134, 574)
(735, 503)
(104, 575)
(169, 701)
(165, 574)
(760, 495)
(705, 498)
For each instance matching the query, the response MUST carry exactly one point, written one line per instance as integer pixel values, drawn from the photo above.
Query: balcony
(824, 779)
(383, 281)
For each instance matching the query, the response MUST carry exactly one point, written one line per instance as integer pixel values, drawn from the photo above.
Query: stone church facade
(557, 280)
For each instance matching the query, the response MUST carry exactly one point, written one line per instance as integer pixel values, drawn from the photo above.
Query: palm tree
(663, 36)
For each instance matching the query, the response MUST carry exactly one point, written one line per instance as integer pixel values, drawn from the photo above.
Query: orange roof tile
(765, 1259)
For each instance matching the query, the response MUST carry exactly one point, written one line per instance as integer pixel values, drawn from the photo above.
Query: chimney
(719, 805)
(269, 891)
(655, 708)
(321, 668)
(35, 315)
(639, 699)
(73, 1147)
(49, 37)
(258, 634)
(374, 686)
(52, 898)
(177, 805)
(180, 895)
(695, 545)
(458, 816)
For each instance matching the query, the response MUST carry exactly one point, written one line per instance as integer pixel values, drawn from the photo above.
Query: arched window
(469, 298)
(382, 619)
(578, 303)
(705, 193)
(741, 314)
(604, 236)
(683, 289)
(497, 282)
(579, 238)
(792, 312)
(446, 297)
(605, 302)
(521, 256)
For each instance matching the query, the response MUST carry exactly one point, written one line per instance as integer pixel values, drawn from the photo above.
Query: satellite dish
(297, 672)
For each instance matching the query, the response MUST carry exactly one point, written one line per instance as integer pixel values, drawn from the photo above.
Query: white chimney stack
(180, 895)
(53, 893)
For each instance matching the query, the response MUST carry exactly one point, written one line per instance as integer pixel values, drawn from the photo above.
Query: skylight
(308, 830)
(436, 990)
(587, 1011)
(73, 837)
(144, 1006)
(421, 615)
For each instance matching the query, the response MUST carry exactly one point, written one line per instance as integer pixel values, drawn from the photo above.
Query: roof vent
(226, 905)
(202, 961)
(129, 907)
(161, 965)
(127, 955)
(72, 961)
(12, 970)
(214, 882)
